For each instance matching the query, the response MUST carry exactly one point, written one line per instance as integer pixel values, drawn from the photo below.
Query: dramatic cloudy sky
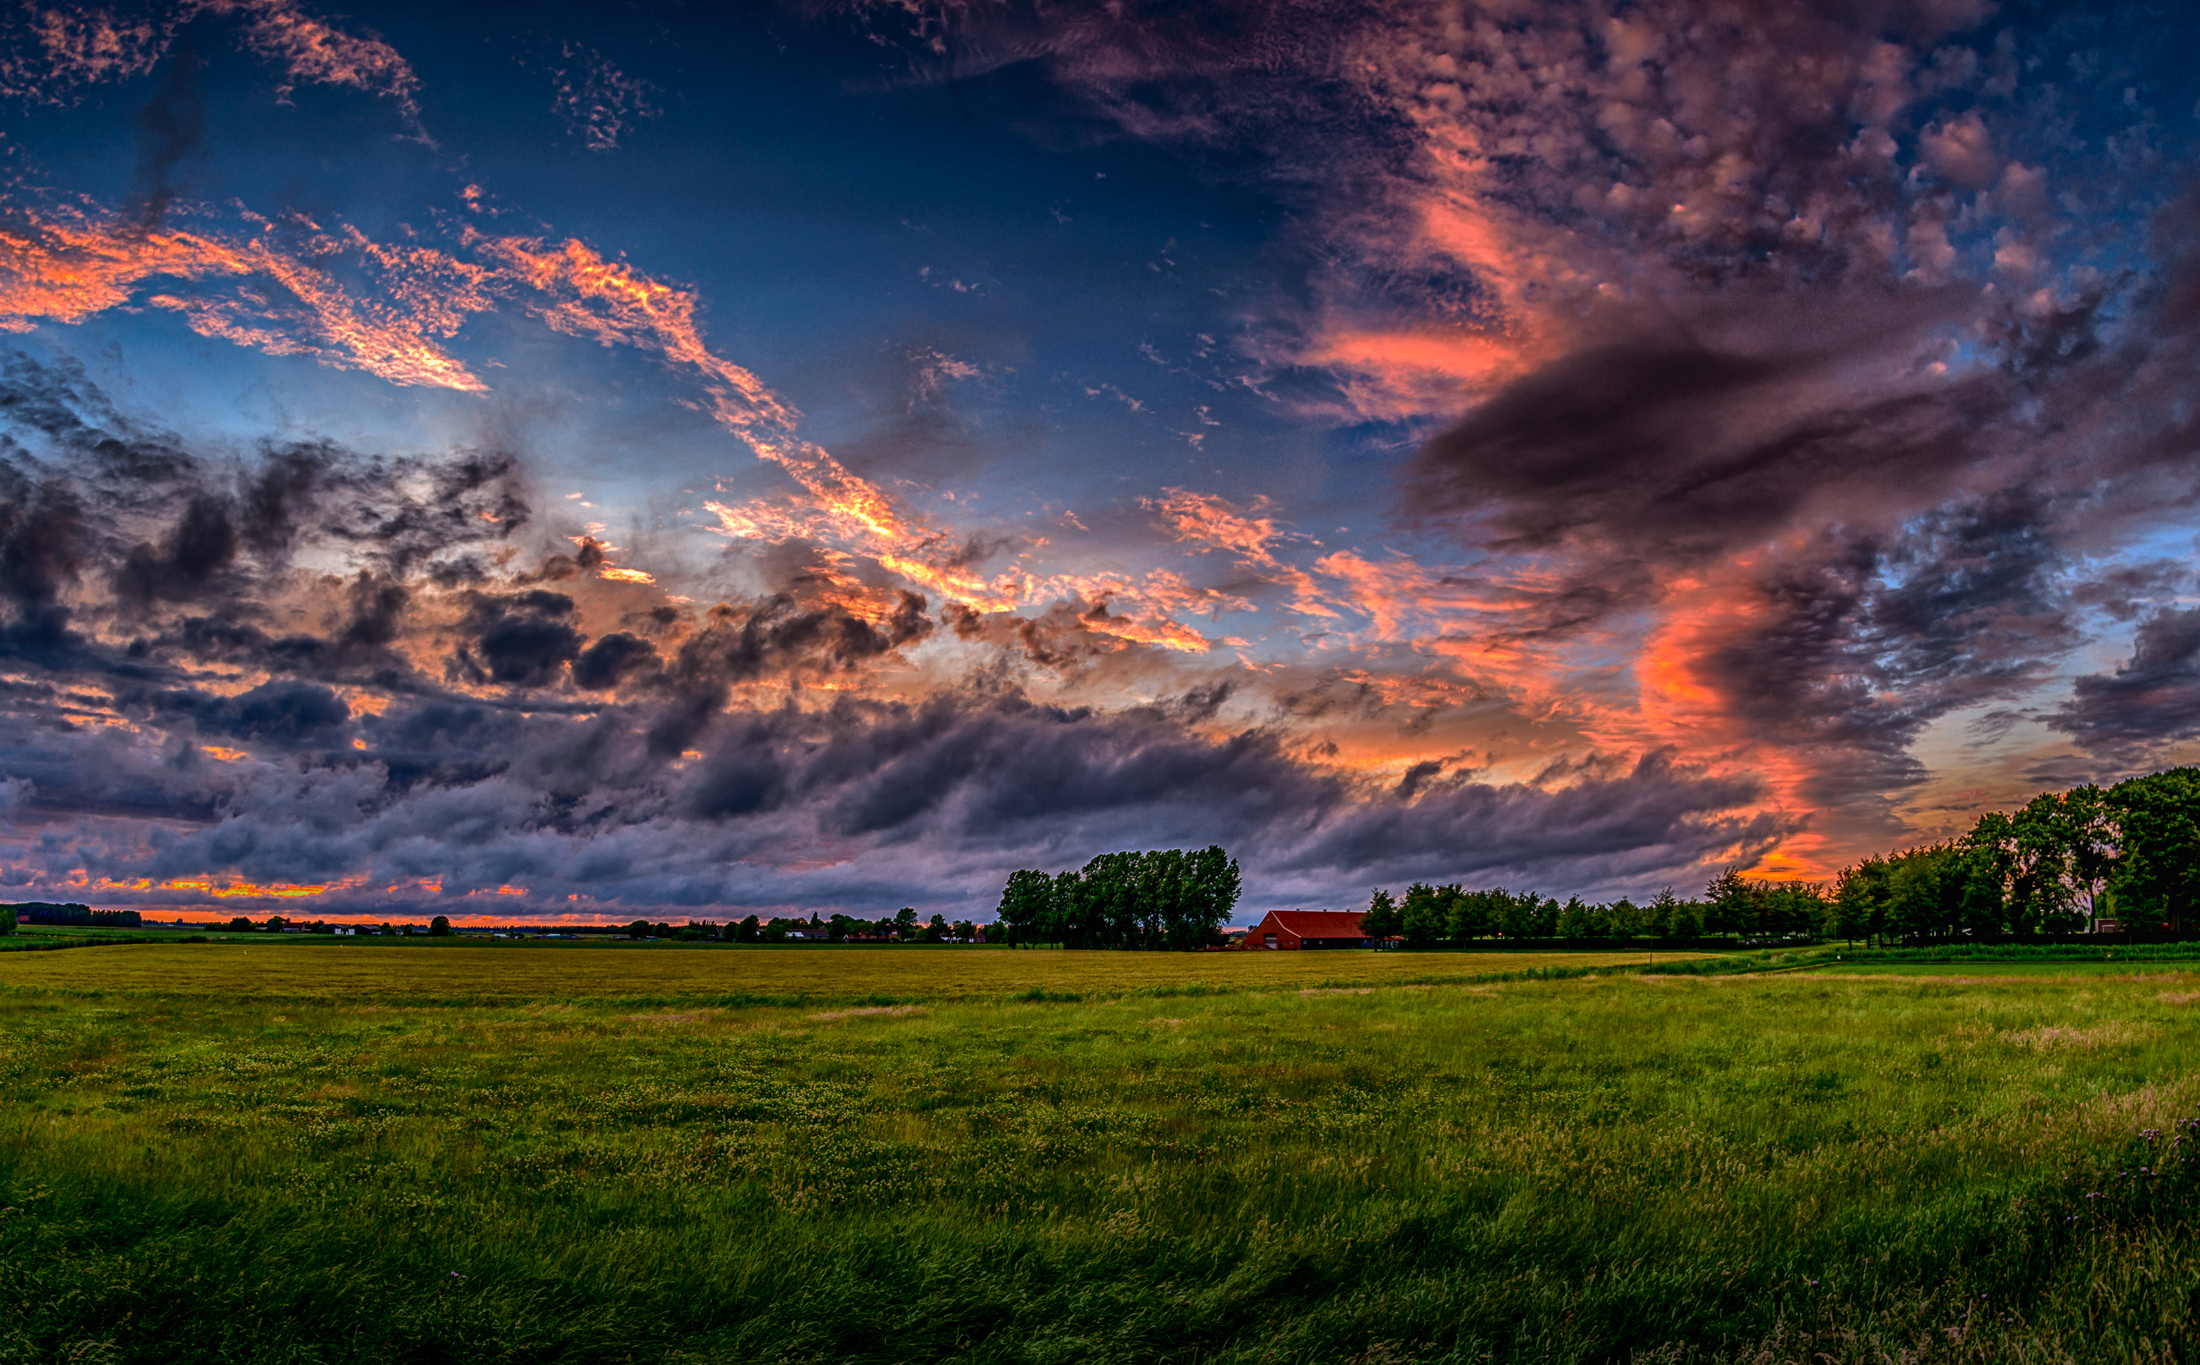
(596, 461)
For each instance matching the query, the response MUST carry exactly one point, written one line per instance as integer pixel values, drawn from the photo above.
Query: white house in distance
(1310, 929)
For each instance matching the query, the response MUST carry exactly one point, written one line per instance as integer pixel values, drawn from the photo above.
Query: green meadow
(475, 1152)
(479, 971)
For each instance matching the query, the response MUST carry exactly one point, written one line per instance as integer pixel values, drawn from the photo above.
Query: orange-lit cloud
(1403, 598)
(1397, 374)
(67, 47)
(1149, 631)
(277, 290)
(1205, 520)
(234, 890)
(311, 51)
(585, 294)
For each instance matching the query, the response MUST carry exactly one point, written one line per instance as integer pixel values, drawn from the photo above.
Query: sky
(689, 461)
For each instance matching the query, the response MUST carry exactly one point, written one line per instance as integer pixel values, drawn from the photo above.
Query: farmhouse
(1310, 929)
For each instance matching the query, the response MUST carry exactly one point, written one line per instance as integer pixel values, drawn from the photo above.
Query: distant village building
(1310, 929)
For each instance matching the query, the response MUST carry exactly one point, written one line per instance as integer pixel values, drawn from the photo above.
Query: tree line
(1163, 898)
(70, 913)
(2128, 853)
(1732, 906)
(903, 926)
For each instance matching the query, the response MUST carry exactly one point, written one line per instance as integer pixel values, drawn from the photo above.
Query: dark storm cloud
(2151, 699)
(1677, 451)
(2125, 591)
(1603, 826)
(938, 798)
(1854, 645)
(285, 713)
(41, 553)
(191, 712)
(201, 544)
(1886, 544)
(523, 639)
(613, 658)
(83, 486)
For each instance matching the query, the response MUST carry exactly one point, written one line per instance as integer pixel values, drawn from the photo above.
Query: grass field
(476, 971)
(398, 1152)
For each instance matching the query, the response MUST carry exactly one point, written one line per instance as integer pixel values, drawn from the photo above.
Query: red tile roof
(1317, 923)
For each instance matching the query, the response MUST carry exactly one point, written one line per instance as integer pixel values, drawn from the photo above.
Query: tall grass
(1772, 1168)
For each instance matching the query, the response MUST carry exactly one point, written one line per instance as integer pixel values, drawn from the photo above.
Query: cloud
(289, 286)
(2152, 699)
(1773, 397)
(598, 103)
(1674, 449)
(457, 707)
(936, 800)
(284, 713)
(51, 54)
(277, 286)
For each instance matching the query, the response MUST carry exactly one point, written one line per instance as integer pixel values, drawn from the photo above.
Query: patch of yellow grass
(2056, 1037)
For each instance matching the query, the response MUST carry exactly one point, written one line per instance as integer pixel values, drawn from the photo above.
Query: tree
(1982, 906)
(1794, 907)
(1927, 891)
(1524, 914)
(7, 919)
(1730, 907)
(2028, 859)
(1382, 919)
(1024, 904)
(1861, 896)
(1673, 918)
(1423, 912)
(1068, 922)
(2095, 845)
(905, 921)
(440, 926)
(1627, 918)
(240, 925)
(1211, 897)
(1573, 920)
(2157, 872)
(1159, 898)
(1470, 914)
